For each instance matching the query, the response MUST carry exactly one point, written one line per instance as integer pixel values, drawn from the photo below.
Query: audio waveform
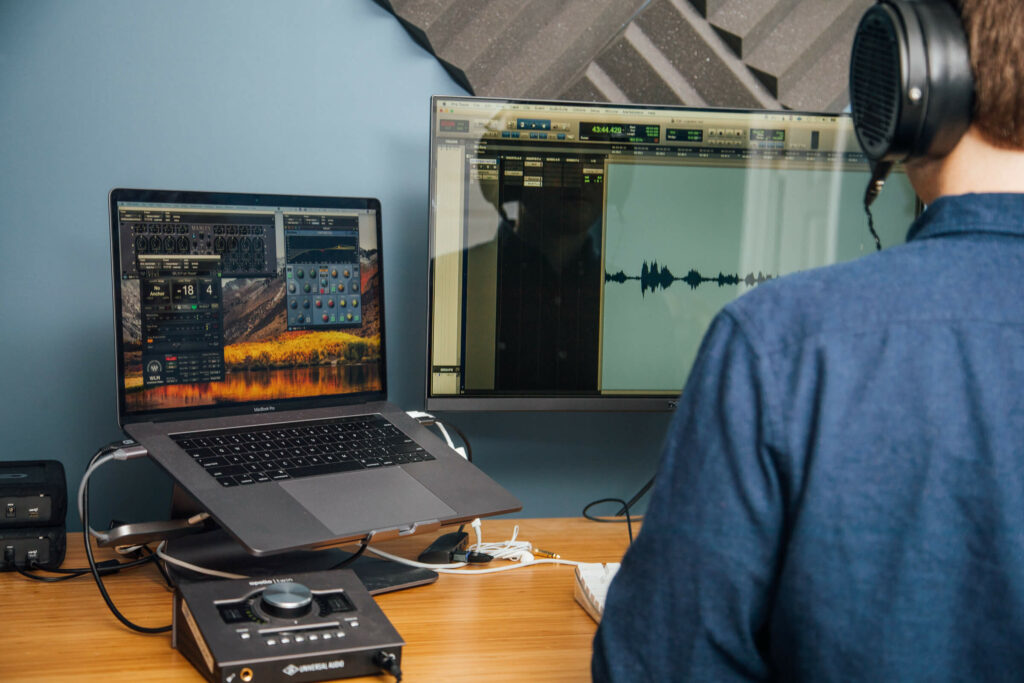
(652, 276)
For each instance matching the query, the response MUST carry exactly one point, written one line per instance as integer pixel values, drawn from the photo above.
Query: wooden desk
(521, 625)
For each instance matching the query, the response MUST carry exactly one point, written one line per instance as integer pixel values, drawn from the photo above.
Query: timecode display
(620, 132)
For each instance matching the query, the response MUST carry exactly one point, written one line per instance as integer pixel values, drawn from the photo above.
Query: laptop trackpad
(373, 499)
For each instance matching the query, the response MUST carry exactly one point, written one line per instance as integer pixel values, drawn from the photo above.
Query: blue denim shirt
(841, 496)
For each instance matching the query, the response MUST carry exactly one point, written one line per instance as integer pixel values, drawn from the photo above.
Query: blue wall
(311, 97)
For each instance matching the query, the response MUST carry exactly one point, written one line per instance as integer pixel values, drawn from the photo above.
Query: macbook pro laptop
(251, 364)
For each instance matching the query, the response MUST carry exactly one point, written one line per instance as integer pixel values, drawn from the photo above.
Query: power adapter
(444, 547)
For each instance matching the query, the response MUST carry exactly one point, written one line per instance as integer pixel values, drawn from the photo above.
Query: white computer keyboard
(592, 581)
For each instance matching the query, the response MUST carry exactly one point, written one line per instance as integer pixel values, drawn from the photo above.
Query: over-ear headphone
(911, 86)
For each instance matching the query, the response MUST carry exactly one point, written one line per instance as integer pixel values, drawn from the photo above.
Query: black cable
(160, 567)
(871, 227)
(879, 172)
(95, 570)
(62, 576)
(626, 506)
(628, 520)
(45, 579)
(354, 556)
(388, 663)
(636, 498)
(105, 568)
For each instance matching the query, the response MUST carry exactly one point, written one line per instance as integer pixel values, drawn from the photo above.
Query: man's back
(843, 490)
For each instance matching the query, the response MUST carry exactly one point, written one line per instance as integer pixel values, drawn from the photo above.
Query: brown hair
(995, 33)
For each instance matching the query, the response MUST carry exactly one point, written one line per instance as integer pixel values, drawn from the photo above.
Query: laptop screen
(245, 302)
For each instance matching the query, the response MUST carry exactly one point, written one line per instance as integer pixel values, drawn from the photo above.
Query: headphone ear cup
(950, 101)
(911, 86)
(876, 81)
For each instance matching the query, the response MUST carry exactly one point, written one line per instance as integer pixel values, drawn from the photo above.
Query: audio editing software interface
(225, 304)
(583, 249)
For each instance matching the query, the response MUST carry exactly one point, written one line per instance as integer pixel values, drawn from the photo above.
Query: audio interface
(41, 546)
(32, 493)
(302, 627)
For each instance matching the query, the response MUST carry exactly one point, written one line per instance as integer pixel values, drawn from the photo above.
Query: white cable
(96, 464)
(477, 524)
(419, 415)
(126, 453)
(455, 568)
(194, 567)
(512, 549)
(444, 432)
(508, 567)
(127, 549)
(414, 563)
(458, 568)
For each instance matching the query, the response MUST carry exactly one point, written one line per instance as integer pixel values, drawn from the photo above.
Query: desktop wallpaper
(263, 360)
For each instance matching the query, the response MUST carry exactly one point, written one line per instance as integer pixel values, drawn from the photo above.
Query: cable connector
(388, 663)
(471, 556)
(130, 452)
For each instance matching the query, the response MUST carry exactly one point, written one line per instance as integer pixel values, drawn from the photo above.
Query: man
(842, 491)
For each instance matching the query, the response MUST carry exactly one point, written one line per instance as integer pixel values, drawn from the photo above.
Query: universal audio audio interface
(303, 627)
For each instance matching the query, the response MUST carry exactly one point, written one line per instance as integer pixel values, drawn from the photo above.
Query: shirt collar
(970, 213)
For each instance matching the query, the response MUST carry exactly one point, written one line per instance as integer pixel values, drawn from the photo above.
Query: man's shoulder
(832, 298)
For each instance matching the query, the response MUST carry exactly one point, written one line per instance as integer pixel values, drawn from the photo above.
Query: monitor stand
(216, 549)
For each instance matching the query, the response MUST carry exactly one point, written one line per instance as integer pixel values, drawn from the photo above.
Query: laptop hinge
(414, 528)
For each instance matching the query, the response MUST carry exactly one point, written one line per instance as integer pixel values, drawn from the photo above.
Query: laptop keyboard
(251, 455)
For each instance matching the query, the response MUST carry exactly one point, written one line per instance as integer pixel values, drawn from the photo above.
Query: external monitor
(578, 251)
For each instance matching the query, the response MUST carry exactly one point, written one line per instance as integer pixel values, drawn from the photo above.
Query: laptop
(251, 364)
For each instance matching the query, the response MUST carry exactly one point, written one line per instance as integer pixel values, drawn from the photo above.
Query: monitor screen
(225, 300)
(578, 251)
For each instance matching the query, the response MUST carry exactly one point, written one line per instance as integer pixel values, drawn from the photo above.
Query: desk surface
(511, 626)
